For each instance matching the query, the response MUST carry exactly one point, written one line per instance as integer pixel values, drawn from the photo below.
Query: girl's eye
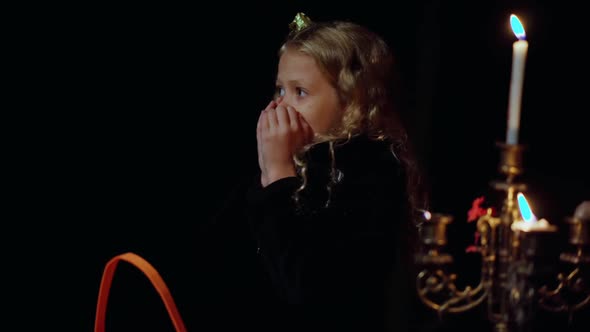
(301, 92)
(280, 91)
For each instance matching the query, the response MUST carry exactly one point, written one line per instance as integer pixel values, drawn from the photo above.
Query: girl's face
(302, 85)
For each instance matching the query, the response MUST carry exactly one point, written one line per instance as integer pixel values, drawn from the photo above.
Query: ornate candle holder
(511, 257)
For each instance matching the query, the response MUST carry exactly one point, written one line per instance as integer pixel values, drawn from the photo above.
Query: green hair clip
(300, 22)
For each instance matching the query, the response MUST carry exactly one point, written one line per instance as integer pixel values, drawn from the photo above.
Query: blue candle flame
(517, 27)
(525, 209)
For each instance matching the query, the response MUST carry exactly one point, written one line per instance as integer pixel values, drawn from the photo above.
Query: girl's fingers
(271, 105)
(282, 118)
(293, 119)
(272, 121)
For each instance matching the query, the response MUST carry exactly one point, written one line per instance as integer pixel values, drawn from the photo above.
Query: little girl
(332, 210)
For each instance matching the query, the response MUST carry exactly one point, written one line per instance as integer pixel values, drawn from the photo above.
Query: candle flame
(517, 27)
(525, 209)
(427, 215)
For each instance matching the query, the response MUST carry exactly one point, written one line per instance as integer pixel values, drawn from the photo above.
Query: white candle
(533, 226)
(519, 52)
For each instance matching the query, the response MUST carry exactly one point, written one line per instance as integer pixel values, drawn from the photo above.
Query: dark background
(154, 111)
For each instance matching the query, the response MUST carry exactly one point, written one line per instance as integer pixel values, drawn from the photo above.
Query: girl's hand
(280, 133)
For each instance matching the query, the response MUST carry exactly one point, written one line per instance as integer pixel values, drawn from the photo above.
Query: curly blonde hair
(359, 65)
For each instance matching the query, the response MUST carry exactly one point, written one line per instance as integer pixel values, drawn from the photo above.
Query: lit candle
(529, 222)
(519, 52)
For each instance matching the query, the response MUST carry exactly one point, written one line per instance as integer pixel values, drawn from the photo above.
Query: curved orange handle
(153, 276)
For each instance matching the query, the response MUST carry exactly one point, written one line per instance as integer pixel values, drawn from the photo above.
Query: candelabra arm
(438, 291)
(486, 226)
(569, 295)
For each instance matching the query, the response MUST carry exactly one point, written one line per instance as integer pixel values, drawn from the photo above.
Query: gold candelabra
(510, 256)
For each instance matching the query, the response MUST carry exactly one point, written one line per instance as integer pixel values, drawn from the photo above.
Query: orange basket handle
(153, 276)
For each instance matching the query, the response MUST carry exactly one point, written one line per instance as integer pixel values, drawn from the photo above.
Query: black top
(335, 260)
